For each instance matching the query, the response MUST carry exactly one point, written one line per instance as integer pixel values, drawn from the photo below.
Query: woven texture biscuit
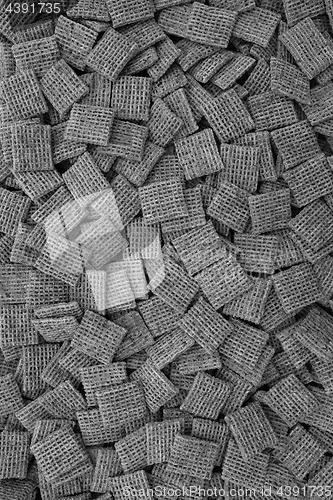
(206, 396)
(227, 116)
(323, 476)
(7, 58)
(38, 183)
(206, 24)
(257, 26)
(208, 328)
(72, 361)
(58, 199)
(160, 437)
(89, 124)
(271, 111)
(239, 389)
(158, 315)
(163, 201)
(174, 20)
(313, 332)
(261, 140)
(302, 288)
(169, 347)
(111, 54)
(296, 143)
(57, 461)
(232, 71)
(238, 5)
(107, 465)
(256, 253)
(163, 123)
(259, 80)
(156, 386)
(177, 289)
(89, 291)
(199, 248)
(138, 171)
(90, 9)
(62, 86)
(75, 41)
(99, 93)
(310, 180)
(135, 481)
(63, 401)
(194, 360)
(14, 455)
(251, 430)
(245, 345)
(61, 259)
(102, 241)
(230, 206)
(172, 80)
(211, 431)
(250, 305)
(137, 336)
(31, 413)
(23, 95)
(84, 180)
(289, 81)
(145, 33)
(43, 289)
(34, 359)
(206, 68)
(192, 52)
(45, 427)
(167, 53)
(318, 110)
(223, 281)
(127, 201)
(127, 140)
(198, 154)
(296, 398)
(241, 166)
(178, 103)
(11, 399)
(56, 329)
(123, 13)
(192, 456)
(270, 211)
(131, 97)
(301, 453)
(63, 149)
(311, 51)
(36, 55)
(98, 337)
(166, 297)
(247, 474)
(14, 210)
(132, 451)
(121, 404)
(298, 354)
(313, 224)
(323, 271)
(296, 11)
(142, 61)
